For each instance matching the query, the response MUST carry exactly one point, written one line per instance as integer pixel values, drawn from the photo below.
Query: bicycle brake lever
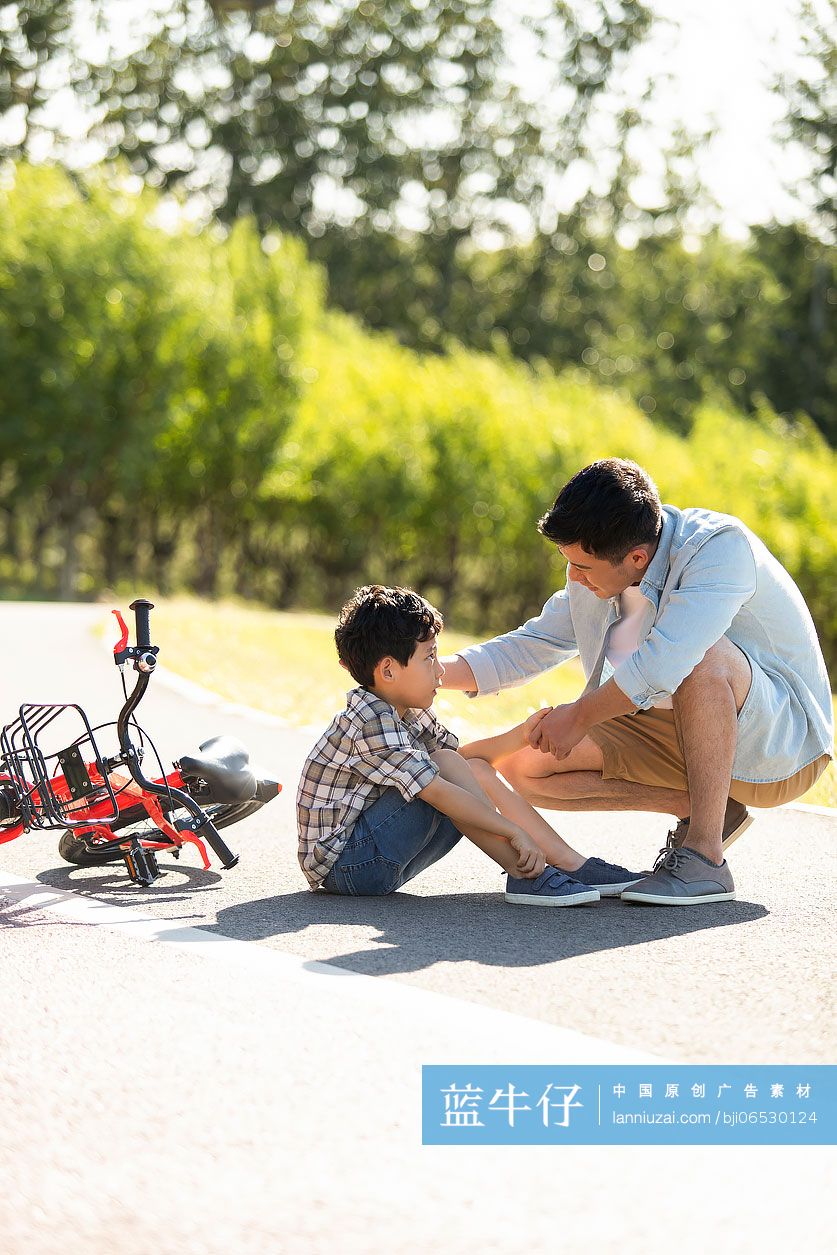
(120, 651)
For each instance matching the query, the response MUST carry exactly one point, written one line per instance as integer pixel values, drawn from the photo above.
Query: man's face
(602, 577)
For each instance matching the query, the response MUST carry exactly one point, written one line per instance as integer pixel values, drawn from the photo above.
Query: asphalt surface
(253, 1085)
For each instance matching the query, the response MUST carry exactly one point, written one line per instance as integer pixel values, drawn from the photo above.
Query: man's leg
(706, 708)
(575, 783)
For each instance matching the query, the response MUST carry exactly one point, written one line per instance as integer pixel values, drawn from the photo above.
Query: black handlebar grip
(212, 836)
(142, 609)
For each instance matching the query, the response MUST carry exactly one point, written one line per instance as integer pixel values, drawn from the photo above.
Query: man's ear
(639, 558)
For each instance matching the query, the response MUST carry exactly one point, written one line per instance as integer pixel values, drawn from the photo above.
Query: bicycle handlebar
(145, 655)
(142, 612)
(213, 838)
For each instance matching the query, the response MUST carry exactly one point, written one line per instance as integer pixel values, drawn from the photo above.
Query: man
(706, 686)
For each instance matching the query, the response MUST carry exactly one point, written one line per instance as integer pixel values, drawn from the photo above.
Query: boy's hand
(530, 860)
(530, 727)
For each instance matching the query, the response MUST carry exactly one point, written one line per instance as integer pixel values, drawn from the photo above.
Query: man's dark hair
(608, 508)
(379, 622)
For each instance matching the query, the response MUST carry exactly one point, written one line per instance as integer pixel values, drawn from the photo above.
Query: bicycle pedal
(142, 865)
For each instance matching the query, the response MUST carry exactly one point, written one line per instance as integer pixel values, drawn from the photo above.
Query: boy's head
(386, 640)
(606, 522)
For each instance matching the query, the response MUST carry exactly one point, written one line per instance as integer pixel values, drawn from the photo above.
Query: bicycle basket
(56, 787)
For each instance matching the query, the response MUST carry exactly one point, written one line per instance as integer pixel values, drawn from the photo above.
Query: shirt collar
(655, 576)
(360, 701)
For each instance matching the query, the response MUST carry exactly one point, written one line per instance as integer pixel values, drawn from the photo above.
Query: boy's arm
(493, 748)
(468, 811)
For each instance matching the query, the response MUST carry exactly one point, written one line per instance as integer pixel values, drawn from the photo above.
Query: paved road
(225, 1062)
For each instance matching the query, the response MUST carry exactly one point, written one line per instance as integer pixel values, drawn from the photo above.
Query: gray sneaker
(682, 877)
(737, 820)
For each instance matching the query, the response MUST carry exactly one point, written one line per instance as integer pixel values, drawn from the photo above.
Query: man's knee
(723, 665)
(526, 770)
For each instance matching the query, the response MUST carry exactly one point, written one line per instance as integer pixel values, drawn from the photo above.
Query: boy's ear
(385, 669)
(342, 664)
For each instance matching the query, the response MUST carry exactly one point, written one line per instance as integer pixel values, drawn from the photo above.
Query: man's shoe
(609, 878)
(737, 820)
(682, 877)
(551, 888)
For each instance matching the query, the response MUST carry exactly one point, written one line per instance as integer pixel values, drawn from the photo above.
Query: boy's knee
(445, 756)
(482, 769)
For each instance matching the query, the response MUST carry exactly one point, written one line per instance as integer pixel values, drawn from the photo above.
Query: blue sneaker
(609, 878)
(551, 888)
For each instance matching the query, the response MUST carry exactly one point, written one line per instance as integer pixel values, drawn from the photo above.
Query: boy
(384, 792)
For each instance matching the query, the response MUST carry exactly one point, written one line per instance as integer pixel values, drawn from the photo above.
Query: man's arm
(713, 587)
(458, 675)
(515, 657)
(562, 729)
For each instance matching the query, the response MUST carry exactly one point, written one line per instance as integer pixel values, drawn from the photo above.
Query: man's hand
(560, 731)
(533, 722)
(530, 860)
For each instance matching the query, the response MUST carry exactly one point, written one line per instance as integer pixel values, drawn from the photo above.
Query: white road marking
(522, 1034)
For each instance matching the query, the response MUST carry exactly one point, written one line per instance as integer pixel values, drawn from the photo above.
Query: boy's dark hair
(379, 622)
(608, 508)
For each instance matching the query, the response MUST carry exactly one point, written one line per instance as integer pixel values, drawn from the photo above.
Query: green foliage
(147, 373)
(179, 410)
(810, 95)
(372, 98)
(433, 471)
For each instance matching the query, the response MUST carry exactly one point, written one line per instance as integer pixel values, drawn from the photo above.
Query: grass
(286, 664)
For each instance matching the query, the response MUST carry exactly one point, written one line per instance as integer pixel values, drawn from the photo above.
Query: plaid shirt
(364, 750)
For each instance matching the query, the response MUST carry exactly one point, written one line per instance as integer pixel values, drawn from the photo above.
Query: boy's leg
(456, 769)
(392, 841)
(555, 849)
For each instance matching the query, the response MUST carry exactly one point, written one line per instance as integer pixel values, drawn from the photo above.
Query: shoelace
(669, 859)
(675, 838)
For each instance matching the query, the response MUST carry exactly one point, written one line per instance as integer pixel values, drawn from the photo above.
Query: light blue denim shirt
(710, 577)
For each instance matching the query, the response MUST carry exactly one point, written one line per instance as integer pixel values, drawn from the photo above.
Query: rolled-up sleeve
(715, 584)
(538, 645)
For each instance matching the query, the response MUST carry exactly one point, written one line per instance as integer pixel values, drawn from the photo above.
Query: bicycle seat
(224, 764)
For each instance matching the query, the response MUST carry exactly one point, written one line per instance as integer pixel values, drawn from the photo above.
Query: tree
(34, 35)
(392, 128)
(811, 120)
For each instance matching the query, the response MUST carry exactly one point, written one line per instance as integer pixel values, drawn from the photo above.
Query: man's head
(606, 522)
(386, 640)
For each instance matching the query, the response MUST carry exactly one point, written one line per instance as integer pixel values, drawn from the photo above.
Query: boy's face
(412, 686)
(604, 578)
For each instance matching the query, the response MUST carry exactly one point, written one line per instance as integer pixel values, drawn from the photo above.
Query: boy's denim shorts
(391, 843)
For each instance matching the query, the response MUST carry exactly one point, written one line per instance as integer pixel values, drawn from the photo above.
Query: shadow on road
(417, 932)
(111, 883)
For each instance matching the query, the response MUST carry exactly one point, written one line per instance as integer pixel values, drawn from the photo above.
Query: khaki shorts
(643, 748)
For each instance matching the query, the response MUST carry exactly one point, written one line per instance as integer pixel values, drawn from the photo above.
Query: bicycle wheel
(86, 851)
